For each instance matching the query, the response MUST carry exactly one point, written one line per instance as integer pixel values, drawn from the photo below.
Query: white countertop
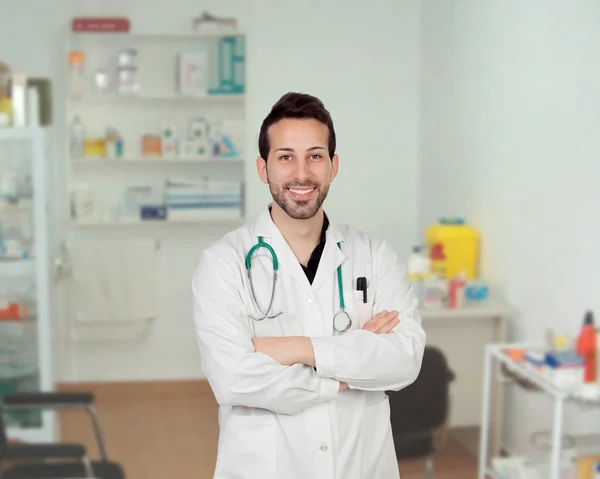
(485, 310)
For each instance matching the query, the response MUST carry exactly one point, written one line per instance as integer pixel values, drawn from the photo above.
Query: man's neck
(301, 235)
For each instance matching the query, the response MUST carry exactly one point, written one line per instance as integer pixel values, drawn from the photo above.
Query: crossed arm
(287, 375)
(292, 350)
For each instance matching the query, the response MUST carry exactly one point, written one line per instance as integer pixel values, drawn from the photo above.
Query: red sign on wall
(98, 24)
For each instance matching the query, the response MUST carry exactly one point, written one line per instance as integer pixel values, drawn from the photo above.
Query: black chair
(53, 461)
(419, 412)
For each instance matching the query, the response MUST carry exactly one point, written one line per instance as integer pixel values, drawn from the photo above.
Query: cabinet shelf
(138, 161)
(117, 98)
(225, 222)
(159, 36)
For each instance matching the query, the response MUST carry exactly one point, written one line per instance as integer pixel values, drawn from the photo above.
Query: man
(301, 388)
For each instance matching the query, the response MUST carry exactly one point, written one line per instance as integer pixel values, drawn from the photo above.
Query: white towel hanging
(112, 281)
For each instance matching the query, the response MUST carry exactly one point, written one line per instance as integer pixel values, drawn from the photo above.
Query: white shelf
(229, 222)
(526, 372)
(152, 161)
(116, 98)
(183, 35)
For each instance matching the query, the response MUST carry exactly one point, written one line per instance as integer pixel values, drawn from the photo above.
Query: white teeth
(301, 192)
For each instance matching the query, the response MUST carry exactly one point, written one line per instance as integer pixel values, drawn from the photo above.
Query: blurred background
(467, 135)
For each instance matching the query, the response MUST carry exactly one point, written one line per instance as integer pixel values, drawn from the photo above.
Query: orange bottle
(587, 347)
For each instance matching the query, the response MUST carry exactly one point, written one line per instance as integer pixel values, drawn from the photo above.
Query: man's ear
(335, 163)
(261, 168)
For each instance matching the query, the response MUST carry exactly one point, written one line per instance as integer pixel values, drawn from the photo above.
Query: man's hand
(286, 350)
(382, 323)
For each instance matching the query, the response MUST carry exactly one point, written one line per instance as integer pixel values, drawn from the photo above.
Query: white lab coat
(281, 422)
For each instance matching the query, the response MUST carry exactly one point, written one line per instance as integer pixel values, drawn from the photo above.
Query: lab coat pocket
(378, 453)
(247, 447)
(364, 311)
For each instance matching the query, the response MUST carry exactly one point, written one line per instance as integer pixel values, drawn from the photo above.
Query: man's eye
(285, 157)
(316, 156)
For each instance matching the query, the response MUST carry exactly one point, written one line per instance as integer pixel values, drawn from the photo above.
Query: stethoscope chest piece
(341, 321)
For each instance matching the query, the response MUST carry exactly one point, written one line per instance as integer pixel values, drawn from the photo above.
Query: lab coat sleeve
(239, 376)
(378, 362)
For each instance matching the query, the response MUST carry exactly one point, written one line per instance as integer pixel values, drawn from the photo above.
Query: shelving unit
(26, 359)
(495, 354)
(137, 84)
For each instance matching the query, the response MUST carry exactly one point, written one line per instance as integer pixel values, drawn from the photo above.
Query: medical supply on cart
(587, 347)
(453, 247)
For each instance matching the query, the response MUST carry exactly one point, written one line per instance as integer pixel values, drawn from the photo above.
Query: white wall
(509, 138)
(360, 58)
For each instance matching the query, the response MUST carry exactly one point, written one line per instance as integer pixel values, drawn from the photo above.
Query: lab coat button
(324, 447)
(310, 300)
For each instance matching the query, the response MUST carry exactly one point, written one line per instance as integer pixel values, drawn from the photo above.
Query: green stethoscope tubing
(265, 314)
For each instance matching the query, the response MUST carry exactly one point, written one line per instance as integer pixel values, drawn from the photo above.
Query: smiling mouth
(301, 193)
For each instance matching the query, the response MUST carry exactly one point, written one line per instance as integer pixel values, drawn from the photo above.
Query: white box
(168, 131)
(169, 148)
(195, 149)
(193, 73)
(198, 129)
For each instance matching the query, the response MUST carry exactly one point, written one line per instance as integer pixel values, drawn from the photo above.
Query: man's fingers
(380, 320)
(386, 328)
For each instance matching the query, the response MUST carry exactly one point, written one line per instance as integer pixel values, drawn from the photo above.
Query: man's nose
(302, 169)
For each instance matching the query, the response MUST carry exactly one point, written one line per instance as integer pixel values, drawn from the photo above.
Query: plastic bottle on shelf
(587, 347)
(418, 268)
(76, 73)
(77, 136)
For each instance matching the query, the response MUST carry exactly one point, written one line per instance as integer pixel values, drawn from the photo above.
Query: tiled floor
(144, 423)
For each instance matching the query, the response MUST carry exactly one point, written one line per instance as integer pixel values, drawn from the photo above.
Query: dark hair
(296, 105)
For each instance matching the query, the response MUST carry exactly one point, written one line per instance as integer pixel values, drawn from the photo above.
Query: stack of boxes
(197, 145)
(189, 200)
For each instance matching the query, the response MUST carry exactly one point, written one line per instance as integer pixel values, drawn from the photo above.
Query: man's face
(298, 169)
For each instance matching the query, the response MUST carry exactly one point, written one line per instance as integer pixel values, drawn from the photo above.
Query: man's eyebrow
(291, 150)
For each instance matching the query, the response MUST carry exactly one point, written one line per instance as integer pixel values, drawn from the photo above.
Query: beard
(295, 208)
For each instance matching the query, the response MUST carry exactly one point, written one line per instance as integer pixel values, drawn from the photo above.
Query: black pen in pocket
(361, 285)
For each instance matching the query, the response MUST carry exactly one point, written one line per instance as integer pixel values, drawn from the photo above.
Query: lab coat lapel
(288, 262)
(331, 258)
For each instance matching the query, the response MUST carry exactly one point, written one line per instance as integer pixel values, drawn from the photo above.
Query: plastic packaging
(453, 248)
(77, 138)
(76, 72)
(418, 269)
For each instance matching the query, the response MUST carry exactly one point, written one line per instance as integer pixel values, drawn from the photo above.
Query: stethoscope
(341, 320)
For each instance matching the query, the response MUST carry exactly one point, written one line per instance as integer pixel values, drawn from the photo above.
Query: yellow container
(94, 147)
(453, 248)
